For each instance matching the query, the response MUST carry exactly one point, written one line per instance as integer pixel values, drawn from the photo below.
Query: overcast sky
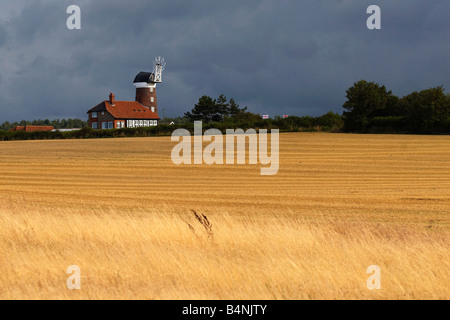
(276, 57)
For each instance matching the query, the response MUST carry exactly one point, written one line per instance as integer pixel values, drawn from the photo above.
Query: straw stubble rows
(139, 226)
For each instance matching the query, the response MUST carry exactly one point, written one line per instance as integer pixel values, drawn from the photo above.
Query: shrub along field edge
(327, 122)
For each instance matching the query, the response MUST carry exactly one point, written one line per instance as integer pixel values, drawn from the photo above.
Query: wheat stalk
(204, 222)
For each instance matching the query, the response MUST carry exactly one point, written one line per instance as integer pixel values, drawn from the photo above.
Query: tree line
(371, 107)
(221, 109)
(57, 123)
(324, 123)
(225, 113)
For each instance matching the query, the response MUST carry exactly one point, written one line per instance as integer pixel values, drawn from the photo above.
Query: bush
(388, 124)
(330, 120)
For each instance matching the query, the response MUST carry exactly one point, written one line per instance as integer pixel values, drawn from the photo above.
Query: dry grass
(140, 227)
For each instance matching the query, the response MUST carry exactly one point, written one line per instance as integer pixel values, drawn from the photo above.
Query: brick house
(143, 112)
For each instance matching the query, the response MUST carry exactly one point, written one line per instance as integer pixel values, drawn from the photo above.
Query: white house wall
(141, 123)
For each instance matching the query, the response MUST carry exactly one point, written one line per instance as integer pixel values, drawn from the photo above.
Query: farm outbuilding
(32, 128)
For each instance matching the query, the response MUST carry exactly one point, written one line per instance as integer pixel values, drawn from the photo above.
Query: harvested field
(121, 211)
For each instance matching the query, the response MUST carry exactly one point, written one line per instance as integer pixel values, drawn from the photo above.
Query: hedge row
(329, 121)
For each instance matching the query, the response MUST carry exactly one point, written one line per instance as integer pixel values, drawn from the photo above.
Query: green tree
(234, 110)
(204, 110)
(208, 109)
(330, 120)
(364, 101)
(221, 108)
(427, 111)
(6, 125)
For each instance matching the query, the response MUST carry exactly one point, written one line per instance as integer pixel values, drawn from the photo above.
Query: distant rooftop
(32, 128)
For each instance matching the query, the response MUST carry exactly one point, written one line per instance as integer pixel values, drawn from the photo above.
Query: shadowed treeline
(330, 121)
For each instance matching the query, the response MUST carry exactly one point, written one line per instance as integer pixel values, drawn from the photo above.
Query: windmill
(145, 83)
(158, 67)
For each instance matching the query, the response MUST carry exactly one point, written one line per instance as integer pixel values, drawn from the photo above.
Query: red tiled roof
(32, 128)
(125, 110)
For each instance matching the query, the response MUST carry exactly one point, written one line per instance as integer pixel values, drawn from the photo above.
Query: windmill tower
(145, 83)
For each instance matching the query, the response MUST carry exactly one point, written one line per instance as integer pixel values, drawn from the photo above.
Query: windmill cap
(143, 77)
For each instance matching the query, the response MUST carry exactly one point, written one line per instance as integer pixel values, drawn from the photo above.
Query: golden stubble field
(121, 211)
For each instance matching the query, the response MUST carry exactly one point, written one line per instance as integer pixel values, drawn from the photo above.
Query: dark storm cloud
(3, 35)
(276, 57)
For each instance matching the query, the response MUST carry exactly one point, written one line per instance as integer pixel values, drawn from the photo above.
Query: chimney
(111, 98)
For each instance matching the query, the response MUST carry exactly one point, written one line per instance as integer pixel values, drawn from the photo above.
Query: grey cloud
(3, 35)
(276, 57)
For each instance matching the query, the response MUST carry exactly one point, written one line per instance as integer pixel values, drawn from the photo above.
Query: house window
(151, 89)
(94, 125)
(110, 125)
(153, 109)
(94, 114)
(152, 99)
(104, 125)
(103, 113)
